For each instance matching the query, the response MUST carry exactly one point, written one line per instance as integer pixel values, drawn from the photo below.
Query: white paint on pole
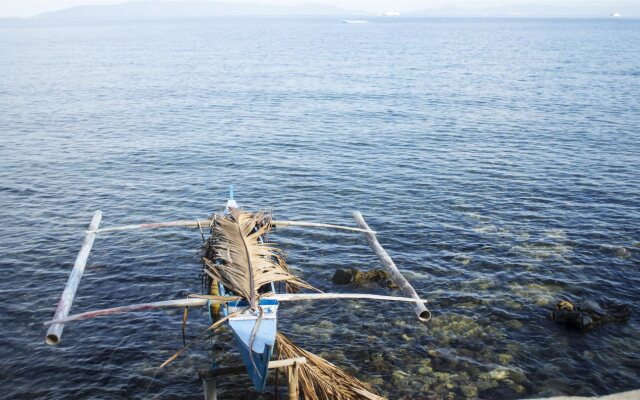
(55, 331)
(421, 311)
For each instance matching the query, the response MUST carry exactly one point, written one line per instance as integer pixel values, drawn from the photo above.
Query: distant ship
(616, 15)
(354, 21)
(391, 14)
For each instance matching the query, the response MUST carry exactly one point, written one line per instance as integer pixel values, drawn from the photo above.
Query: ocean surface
(498, 159)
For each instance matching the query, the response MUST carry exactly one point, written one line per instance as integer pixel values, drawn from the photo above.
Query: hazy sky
(24, 8)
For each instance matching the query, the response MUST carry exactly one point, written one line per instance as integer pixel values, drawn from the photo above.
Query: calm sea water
(498, 160)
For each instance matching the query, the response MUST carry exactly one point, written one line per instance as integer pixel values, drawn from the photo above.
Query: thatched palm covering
(235, 256)
(246, 262)
(320, 379)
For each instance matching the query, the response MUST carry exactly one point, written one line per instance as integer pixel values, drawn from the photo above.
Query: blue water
(497, 159)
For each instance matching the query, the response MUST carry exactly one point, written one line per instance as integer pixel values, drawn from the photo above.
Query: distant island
(192, 9)
(531, 10)
(141, 9)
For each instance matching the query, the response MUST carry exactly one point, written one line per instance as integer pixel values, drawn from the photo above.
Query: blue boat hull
(257, 373)
(256, 359)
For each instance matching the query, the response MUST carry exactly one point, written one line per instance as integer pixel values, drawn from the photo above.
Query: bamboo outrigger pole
(206, 222)
(339, 296)
(279, 223)
(199, 300)
(134, 307)
(55, 331)
(421, 311)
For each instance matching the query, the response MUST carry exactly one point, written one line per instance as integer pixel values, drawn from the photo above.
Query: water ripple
(497, 159)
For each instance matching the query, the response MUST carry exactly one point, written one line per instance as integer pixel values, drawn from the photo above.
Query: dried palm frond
(321, 380)
(246, 262)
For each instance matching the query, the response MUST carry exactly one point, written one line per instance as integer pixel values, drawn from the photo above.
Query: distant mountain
(140, 9)
(190, 9)
(532, 10)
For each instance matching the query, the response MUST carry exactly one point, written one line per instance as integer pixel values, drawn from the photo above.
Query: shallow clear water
(497, 159)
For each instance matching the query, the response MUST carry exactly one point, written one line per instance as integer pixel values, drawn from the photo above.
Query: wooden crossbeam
(212, 373)
(208, 376)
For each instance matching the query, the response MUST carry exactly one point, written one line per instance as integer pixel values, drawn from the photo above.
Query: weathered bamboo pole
(132, 308)
(293, 382)
(210, 390)
(286, 362)
(336, 296)
(421, 311)
(155, 225)
(55, 331)
(278, 224)
(206, 222)
(199, 300)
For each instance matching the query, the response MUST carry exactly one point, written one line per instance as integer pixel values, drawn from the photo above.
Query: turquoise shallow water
(497, 159)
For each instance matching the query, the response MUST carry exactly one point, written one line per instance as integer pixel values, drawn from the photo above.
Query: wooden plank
(55, 331)
(287, 362)
(420, 309)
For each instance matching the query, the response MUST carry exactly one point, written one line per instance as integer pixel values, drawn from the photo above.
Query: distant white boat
(391, 14)
(355, 21)
(616, 15)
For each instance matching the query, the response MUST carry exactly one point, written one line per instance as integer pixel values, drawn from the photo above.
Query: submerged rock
(469, 391)
(516, 388)
(589, 314)
(399, 377)
(505, 358)
(499, 374)
(376, 381)
(514, 324)
(425, 370)
(485, 383)
(353, 276)
(378, 362)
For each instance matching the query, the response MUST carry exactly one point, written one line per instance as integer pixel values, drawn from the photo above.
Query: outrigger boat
(254, 329)
(242, 269)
